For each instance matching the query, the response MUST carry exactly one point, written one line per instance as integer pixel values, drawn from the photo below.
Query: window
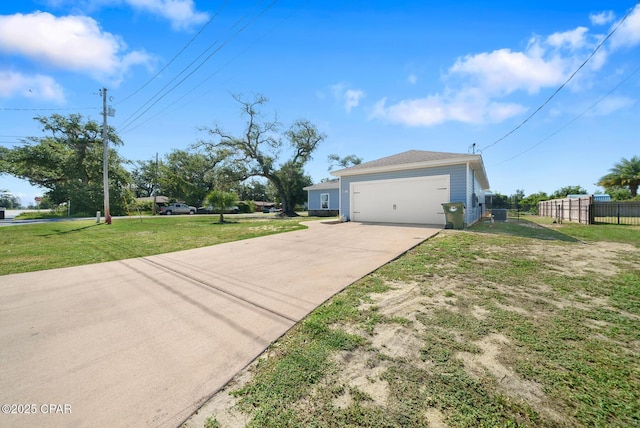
(324, 201)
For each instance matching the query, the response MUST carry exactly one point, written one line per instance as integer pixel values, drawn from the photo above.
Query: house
(411, 187)
(323, 199)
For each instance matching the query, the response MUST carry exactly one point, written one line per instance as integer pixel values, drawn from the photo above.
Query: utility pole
(105, 159)
(155, 184)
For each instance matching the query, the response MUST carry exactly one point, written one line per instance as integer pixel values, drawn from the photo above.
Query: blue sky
(377, 77)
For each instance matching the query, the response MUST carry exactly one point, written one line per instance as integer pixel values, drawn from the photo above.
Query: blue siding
(457, 174)
(473, 210)
(314, 199)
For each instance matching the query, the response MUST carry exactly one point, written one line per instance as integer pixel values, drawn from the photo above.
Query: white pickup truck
(177, 209)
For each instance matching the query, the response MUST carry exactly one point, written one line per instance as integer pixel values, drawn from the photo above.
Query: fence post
(618, 207)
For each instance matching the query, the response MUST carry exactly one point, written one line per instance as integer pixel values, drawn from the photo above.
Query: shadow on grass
(225, 222)
(522, 228)
(65, 232)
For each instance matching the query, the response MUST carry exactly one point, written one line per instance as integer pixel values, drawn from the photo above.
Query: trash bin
(1, 213)
(454, 215)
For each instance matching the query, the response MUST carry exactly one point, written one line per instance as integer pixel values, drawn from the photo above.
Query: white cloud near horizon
(477, 85)
(35, 86)
(72, 43)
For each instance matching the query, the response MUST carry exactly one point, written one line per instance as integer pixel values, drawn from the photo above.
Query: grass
(41, 246)
(566, 340)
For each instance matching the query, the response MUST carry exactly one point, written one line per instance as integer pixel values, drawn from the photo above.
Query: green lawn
(510, 324)
(70, 243)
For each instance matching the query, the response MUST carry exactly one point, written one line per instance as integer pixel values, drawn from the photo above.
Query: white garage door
(403, 200)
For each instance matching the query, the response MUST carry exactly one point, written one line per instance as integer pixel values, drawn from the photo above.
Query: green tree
(568, 190)
(618, 193)
(257, 151)
(625, 173)
(336, 161)
(9, 200)
(189, 176)
(144, 177)
(222, 200)
(252, 190)
(498, 200)
(530, 202)
(69, 161)
(4, 160)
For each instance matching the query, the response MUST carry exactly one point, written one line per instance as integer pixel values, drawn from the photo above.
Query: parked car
(177, 209)
(216, 210)
(271, 210)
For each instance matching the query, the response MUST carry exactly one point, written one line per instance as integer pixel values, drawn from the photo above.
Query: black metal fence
(504, 210)
(617, 213)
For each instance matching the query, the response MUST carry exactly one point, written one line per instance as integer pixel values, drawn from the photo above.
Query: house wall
(313, 198)
(457, 174)
(473, 211)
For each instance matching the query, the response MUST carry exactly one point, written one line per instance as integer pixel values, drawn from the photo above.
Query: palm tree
(625, 173)
(221, 200)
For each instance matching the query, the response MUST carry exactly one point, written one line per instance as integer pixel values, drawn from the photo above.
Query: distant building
(596, 198)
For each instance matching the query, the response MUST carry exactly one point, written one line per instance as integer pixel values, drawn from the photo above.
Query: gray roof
(414, 159)
(327, 185)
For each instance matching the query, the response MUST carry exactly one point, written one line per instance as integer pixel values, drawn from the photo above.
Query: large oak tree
(259, 150)
(68, 161)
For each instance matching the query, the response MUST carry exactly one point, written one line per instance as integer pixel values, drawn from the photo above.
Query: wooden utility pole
(155, 184)
(105, 159)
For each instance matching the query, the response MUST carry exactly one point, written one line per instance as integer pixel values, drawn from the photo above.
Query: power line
(602, 42)
(159, 95)
(177, 54)
(202, 82)
(575, 118)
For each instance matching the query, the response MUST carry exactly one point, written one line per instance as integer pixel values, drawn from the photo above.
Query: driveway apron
(145, 342)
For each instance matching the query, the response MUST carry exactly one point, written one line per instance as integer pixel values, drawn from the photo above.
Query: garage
(410, 188)
(405, 200)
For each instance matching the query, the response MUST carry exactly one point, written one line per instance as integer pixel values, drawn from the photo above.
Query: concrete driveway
(144, 342)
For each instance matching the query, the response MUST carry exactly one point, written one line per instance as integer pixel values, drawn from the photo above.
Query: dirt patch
(601, 258)
(358, 373)
(361, 372)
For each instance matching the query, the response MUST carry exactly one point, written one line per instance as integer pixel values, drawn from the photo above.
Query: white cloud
(610, 105)
(350, 97)
(435, 109)
(413, 79)
(574, 39)
(628, 34)
(74, 43)
(601, 18)
(36, 86)
(502, 72)
(478, 84)
(181, 13)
